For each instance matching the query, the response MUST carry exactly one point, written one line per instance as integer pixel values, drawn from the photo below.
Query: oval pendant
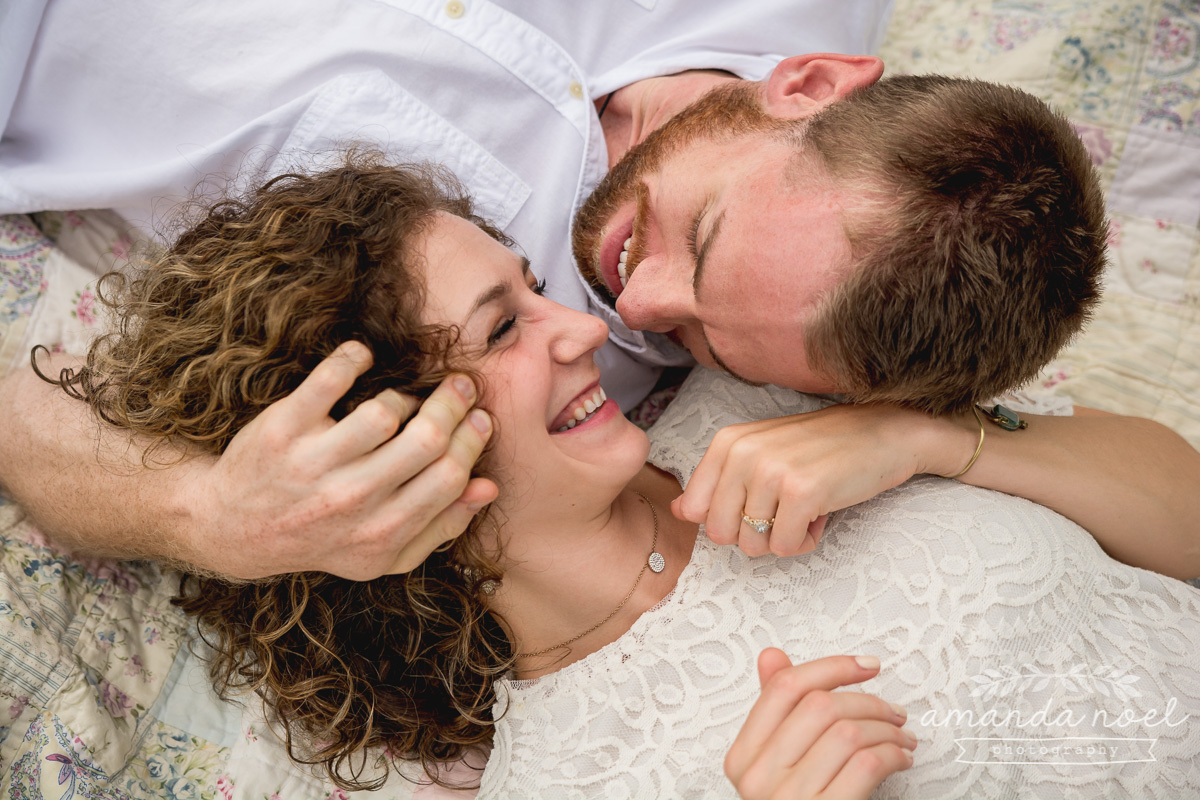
(657, 562)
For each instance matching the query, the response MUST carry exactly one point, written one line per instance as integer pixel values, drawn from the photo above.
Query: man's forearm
(286, 495)
(83, 483)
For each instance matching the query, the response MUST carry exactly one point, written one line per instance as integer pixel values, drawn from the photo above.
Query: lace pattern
(973, 600)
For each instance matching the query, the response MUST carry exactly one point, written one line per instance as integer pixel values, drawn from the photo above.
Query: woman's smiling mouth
(582, 410)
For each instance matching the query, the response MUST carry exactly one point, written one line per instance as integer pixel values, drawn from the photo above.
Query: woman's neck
(581, 576)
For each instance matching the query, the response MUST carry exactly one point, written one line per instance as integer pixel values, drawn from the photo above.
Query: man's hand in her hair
(297, 491)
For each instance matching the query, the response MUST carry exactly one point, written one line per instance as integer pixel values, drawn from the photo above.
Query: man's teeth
(621, 262)
(585, 410)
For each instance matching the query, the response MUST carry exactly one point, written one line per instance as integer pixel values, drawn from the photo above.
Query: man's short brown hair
(978, 247)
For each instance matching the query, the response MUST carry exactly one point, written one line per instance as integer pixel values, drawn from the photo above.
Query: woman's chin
(588, 466)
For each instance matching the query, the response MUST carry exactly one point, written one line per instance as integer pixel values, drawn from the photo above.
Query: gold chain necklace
(655, 562)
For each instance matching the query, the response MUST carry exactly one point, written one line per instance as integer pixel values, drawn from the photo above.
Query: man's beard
(733, 109)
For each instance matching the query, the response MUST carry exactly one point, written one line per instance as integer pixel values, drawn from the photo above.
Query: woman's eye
(506, 325)
(501, 330)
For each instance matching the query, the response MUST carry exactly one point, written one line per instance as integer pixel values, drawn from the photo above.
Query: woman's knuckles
(848, 733)
(758, 781)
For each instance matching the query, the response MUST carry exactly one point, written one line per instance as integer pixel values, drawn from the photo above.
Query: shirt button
(455, 9)
(576, 90)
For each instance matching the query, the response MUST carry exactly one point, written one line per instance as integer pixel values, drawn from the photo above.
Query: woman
(621, 643)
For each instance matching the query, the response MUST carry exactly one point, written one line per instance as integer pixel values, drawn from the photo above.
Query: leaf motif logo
(1106, 680)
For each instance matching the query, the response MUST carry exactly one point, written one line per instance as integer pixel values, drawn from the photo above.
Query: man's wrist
(182, 527)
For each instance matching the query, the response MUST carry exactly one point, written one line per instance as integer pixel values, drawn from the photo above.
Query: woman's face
(536, 360)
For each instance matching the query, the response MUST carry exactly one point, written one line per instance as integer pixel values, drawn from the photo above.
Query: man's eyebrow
(497, 290)
(702, 251)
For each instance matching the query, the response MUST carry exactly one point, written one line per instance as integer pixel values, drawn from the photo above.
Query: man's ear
(801, 85)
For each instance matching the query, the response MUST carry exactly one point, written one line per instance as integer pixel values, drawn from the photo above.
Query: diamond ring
(758, 525)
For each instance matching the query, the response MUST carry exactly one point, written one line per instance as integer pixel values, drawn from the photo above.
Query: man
(811, 218)
(131, 106)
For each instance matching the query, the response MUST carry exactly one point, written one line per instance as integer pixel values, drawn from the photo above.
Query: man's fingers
(450, 401)
(368, 426)
(479, 493)
(447, 477)
(438, 429)
(316, 396)
(420, 481)
(430, 491)
(445, 526)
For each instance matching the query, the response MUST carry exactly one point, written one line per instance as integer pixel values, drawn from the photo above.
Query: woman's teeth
(585, 410)
(621, 262)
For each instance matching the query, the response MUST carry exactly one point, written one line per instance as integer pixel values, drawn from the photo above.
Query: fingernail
(911, 738)
(465, 387)
(908, 756)
(867, 662)
(899, 711)
(473, 507)
(480, 420)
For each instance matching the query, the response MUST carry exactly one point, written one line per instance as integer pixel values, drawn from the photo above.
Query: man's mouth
(582, 409)
(614, 254)
(622, 263)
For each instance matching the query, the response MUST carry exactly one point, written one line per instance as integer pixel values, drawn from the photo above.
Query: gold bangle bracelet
(978, 448)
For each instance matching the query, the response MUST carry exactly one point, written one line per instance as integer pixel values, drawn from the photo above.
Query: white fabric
(18, 27)
(128, 105)
(958, 590)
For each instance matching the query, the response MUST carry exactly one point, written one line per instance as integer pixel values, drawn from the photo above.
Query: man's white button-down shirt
(129, 105)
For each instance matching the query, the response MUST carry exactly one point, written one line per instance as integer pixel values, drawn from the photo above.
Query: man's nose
(655, 299)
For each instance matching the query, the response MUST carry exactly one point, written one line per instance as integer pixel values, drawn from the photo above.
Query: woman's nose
(579, 334)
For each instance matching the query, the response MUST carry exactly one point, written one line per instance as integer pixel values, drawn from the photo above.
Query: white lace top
(975, 601)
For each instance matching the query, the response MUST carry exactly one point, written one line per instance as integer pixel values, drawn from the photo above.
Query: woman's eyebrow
(496, 290)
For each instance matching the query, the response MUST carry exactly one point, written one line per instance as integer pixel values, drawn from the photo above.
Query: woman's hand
(803, 740)
(800, 468)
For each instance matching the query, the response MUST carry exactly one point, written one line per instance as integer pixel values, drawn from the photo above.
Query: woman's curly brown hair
(231, 319)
